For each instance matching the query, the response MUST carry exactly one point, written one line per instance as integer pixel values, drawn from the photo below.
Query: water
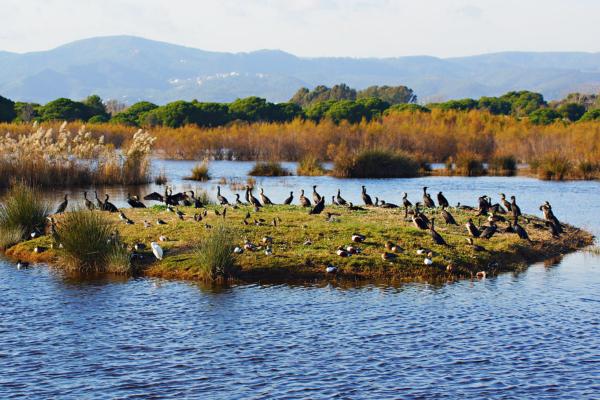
(530, 335)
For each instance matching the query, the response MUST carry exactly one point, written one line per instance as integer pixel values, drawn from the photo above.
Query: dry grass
(269, 168)
(309, 165)
(21, 212)
(375, 164)
(200, 172)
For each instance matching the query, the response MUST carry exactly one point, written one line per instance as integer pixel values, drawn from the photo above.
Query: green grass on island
(304, 245)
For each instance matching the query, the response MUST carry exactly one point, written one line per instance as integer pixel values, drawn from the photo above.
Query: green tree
(407, 107)
(26, 112)
(348, 110)
(592, 115)
(544, 116)
(495, 105)
(390, 94)
(305, 97)
(133, 115)
(252, 109)
(572, 111)
(285, 112)
(95, 107)
(7, 110)
(212, 114)
(524, 102)
(174, 114)
(64, 109)
(374, 106)
(458, 105)
(317, 111)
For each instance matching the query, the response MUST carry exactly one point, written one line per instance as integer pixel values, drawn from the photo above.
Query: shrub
(552, 167)
(375, 164)
(270, 168)
(215, 254)
(469, 164)
(503, 165)
(200, 172)
(89, 243)
(22, 211)
(161, 178)
(310, 166)
(587, 169)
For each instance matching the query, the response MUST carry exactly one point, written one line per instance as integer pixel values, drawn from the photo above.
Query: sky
(312, 28)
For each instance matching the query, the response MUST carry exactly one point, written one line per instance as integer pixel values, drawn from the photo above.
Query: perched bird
(437, 238)
(474, 246)
(489, 231)
(62, 206)
(88, 204)
(387, 205)
(505, 203)
(442, 201)
(427, 200)
(365, 197)
(514, 208)
(319, 207)
(405, 202)
(160, 222)
(134, 202)
(251, 199)
(265, 200)
(237, 200)
(108, 206)
(352, 207)
(316, 196)
(98, 201)
(304, 201)
(289, 200)
(472, 229)
(222, 199)
(339, 199)
(157, 250)
(519, 230)
(449, 218)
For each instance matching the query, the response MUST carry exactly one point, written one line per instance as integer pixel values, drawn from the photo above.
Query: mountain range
(130, 69)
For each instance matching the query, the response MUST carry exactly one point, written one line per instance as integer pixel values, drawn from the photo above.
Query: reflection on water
(532, 334)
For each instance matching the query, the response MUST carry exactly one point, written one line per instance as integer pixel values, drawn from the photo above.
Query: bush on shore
(90, 244)
(200, 172)
(503, 165)
(310, 166)
(215, 254)
(375, 164)
(554, 167)
(22, 212)
(269, 168)
(469, 164)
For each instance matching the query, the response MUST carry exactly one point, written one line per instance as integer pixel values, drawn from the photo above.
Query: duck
(427, 200)
(163, 238)
(267, 240)
(22, 264)
(427, 261)
(352, 250)
(316, 196)
(342, 252)
(304, 201)
(339, 198)
(481, 275)
(358, 238)
(63, 206)
(248, 245)
(442, 201)
(385, 256)
(265, 200)
(268, 251)
(88, 204)
(289, 199)
(139, 246)
(157, 250)
(221, 198)
(365, 197)
(147, 224)
(237, 250)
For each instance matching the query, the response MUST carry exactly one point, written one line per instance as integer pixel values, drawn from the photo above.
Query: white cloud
(312, 27)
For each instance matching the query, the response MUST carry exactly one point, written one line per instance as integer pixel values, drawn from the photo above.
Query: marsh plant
(268, 168)
(200, 172)
(215, 254)
(21, 212)
(375, 164)
(91, 244)
(44, 157)
(310, 166)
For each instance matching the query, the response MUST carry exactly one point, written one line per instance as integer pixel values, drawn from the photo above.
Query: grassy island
(304, 245)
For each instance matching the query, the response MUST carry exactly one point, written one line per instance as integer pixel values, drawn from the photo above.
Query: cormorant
(265, 200)
(366, 198)
(289, 200)
(319, 207)
(437, 238)
(489, 231)
(442, 201)
(449, 218)
(304, 201)
(62, 206)
(88, 204)
(222, 199)
(405, 201)
(316, 196)
(427, 200)
(134, 202)
(473, 230)
(340, 200)
(251, 199)
(516, 210)
(108, 206)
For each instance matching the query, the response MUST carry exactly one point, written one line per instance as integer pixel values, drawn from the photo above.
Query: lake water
(530, 335)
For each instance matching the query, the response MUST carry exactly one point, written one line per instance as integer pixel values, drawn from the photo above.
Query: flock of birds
(505, 211)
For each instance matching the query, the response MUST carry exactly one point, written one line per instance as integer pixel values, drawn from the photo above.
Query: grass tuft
(503, 165)
(553, 166)
(310, 166)
(270, 168)
(375, 164)
(22, 211)
(215, 254)
(199, 172)
(469, 164)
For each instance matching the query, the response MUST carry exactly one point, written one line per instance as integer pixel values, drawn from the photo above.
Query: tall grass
(503, 165)
(200, 172)
(43, 157)
(469, 164)
(22, 211)
(309, 165)
(215, 254)
(269, 168)
(91, 244)
(554, 166)
(375, 164)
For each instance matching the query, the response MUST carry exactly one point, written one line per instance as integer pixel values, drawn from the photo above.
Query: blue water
(535, 334)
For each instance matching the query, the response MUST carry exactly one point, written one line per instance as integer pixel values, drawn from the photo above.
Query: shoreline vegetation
(285, 243)
(492, 135)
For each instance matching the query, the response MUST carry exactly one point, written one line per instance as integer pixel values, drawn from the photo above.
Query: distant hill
(131, 68)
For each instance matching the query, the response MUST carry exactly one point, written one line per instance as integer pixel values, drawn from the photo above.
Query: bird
(88, 204)
(222, 199)
(519, 230)
(419, 222)
(237, 250)
(319, 207)
(304, 201)
(484, 206)
(62, 206)
(437, 238)
(134, 202)
(108, 206)
(339, 199)
(505, 203)
(251, 199)
(154, 196)
(405, 202)
(316, 196)
(474, 246)
(514, 208)
(124, 218)
(22, 264)
(352, 207)
(551, 220)
(449, 218)
(464, 207)
(358, 238)
(442, 201)
(98, 201)
(160, 222)
(265, 200)
(472, 229)
(139, 246)
(427, 200)
(237, 200)
(365, 197)
(387, 205)
(342, 252)
(180, 214)
(489, 231)
(334, 201)
(289, 200)
(157, 250)
(331, 269)
(385, 256)
(427, 261)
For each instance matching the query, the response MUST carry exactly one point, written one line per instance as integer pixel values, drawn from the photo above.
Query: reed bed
(435, 137)
(44, 157)
(215, 254)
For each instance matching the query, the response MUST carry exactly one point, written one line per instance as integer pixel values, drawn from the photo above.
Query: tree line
(338, 103)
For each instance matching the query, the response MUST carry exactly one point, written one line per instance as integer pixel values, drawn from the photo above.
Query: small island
(286, 243)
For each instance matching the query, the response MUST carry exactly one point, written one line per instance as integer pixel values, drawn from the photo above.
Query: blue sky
(357, 28)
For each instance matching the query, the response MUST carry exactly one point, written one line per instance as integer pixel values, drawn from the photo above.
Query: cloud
(470, 11)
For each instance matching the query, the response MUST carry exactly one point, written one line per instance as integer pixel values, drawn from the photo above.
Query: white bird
(238, 250)
(331, 269)
(427, 261)
(421, 251)
(268, 251)
(157, 250)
